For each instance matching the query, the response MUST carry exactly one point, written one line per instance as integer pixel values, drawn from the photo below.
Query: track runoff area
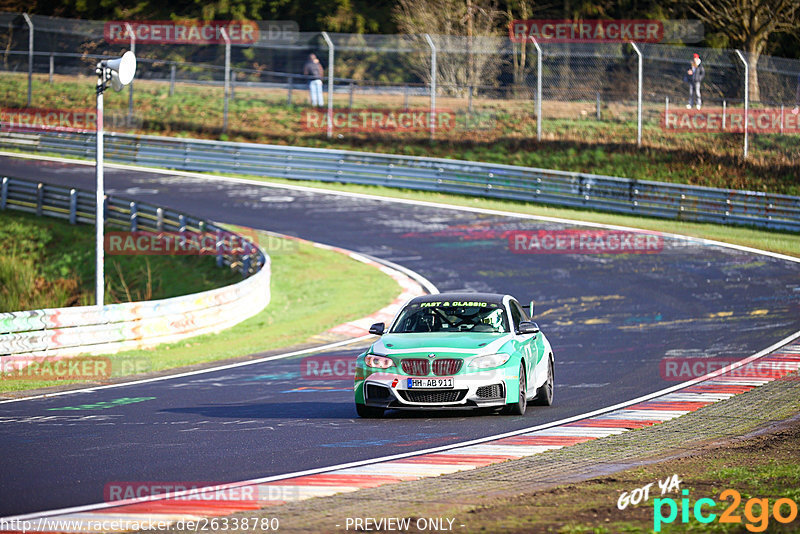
(623, 324)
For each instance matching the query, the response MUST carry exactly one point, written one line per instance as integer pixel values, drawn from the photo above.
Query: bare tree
(519, 57)
(463, 28)
(750, 23)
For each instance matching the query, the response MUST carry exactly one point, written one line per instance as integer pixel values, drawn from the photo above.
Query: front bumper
(472, 390)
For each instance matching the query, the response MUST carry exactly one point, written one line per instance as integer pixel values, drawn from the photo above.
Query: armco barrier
(581, 190)
(63, 332)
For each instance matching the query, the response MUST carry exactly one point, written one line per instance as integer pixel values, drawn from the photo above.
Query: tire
(368, 412)
(518, 408)
(544, 394)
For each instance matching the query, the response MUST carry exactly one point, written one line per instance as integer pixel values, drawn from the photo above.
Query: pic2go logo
(756, 511)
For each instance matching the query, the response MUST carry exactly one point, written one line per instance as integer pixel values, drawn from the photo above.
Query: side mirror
(377, 329)
(530, 310)
(528, 327)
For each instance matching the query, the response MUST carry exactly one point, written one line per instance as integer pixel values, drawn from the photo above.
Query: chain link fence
(481, 88)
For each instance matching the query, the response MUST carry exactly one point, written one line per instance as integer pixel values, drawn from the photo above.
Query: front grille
(447, 366)
(377, 392)
(433, 397)
(415, 367)
(490, 392)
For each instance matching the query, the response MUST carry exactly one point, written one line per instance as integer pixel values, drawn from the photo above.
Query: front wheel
(518, 408)
(368, 412)
(544, 394)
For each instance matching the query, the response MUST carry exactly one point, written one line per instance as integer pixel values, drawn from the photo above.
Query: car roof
(492, 298)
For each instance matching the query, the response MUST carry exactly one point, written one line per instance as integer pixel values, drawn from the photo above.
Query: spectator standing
(694, 76)
(313, 68)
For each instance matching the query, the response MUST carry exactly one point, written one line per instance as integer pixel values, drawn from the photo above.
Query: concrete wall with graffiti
(65, 332)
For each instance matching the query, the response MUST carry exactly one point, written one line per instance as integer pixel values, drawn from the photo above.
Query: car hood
(453, 344)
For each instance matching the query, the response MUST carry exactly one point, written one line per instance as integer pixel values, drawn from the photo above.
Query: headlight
(381, 362)
(489, 360)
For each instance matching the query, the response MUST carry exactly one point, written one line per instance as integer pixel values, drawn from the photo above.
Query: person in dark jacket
(313, 68)
(694, 76)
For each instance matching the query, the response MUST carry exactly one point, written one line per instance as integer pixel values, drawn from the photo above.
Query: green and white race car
(456, 350)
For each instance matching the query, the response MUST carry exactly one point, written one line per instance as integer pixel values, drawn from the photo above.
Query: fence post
(405, 98)
(432, 118)
(746, 98)
(233, 84)
(4, 193)
(172, 79)
(351, 96)
(724, 113)
(181, 223)
(227, 78)
(469, 106)
(220, 257)
(160, 219)
(638, 98)
(330, 81)
(130, 85)
(52, 70)
(30, 56)
(134, 217)
(289, 83)
(39, 198)
(73, 206)
(538, 89)
(597, 106)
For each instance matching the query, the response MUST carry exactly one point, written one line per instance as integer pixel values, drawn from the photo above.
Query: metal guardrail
(527, 184)
(26, 336)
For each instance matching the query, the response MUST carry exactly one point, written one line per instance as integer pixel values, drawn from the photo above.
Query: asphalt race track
(610, 318)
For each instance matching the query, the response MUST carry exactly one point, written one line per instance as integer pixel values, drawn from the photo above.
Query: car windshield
(451, 317)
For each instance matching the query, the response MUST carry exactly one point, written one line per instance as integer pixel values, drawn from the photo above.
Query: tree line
(761, 26)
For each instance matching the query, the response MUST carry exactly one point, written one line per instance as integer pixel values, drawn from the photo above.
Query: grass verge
(573, 139)
(312, 291)
(48, 263)
(764, 467)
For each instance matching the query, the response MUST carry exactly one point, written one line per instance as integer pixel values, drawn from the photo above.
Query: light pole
(119, 72)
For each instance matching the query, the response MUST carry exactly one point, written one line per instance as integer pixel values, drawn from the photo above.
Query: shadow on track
(316, 410)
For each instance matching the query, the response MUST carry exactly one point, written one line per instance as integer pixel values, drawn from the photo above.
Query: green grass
(572, 140)
(313, 290)
(48, 263)
(761, 467)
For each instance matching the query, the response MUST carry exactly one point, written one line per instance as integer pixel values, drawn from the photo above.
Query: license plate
(430, 383)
